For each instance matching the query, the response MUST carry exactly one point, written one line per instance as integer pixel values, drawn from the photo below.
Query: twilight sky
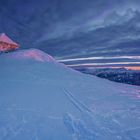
(77, 32)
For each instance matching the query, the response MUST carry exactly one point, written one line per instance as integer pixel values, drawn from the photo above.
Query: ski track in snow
(78, 126)
(77, 103)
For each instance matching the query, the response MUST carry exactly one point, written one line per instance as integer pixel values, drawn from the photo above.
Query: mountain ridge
(48, 101)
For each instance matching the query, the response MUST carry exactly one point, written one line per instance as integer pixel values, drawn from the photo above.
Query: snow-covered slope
(33, 54)
(46, 101)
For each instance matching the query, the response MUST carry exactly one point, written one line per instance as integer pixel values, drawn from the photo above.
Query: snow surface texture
(33, 54)
(44, 101)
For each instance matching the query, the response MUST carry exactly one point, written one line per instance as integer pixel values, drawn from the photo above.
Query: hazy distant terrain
(120, 75)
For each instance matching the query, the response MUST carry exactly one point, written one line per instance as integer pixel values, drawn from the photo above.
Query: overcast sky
(66, 28)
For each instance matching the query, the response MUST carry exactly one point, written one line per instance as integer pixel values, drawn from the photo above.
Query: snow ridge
(33, 54)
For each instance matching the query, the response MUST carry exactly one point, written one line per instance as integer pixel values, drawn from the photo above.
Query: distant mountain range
(120, 75)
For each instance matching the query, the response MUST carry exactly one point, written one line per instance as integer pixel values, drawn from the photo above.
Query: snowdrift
(42, 100)
(33, 54)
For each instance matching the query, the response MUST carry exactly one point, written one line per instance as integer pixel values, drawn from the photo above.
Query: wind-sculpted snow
(47, 101)
(32, 54)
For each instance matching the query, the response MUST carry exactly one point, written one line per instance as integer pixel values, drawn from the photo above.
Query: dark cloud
(69, 28)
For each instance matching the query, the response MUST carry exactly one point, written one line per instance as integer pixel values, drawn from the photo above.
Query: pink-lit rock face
(33, 54)
(6, 39)
(6, 44)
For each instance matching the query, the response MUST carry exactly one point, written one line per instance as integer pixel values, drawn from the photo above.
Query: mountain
(46, 100)
(120, 75)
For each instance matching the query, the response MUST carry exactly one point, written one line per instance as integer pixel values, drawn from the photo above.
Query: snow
(46, 101)
(33, 54)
